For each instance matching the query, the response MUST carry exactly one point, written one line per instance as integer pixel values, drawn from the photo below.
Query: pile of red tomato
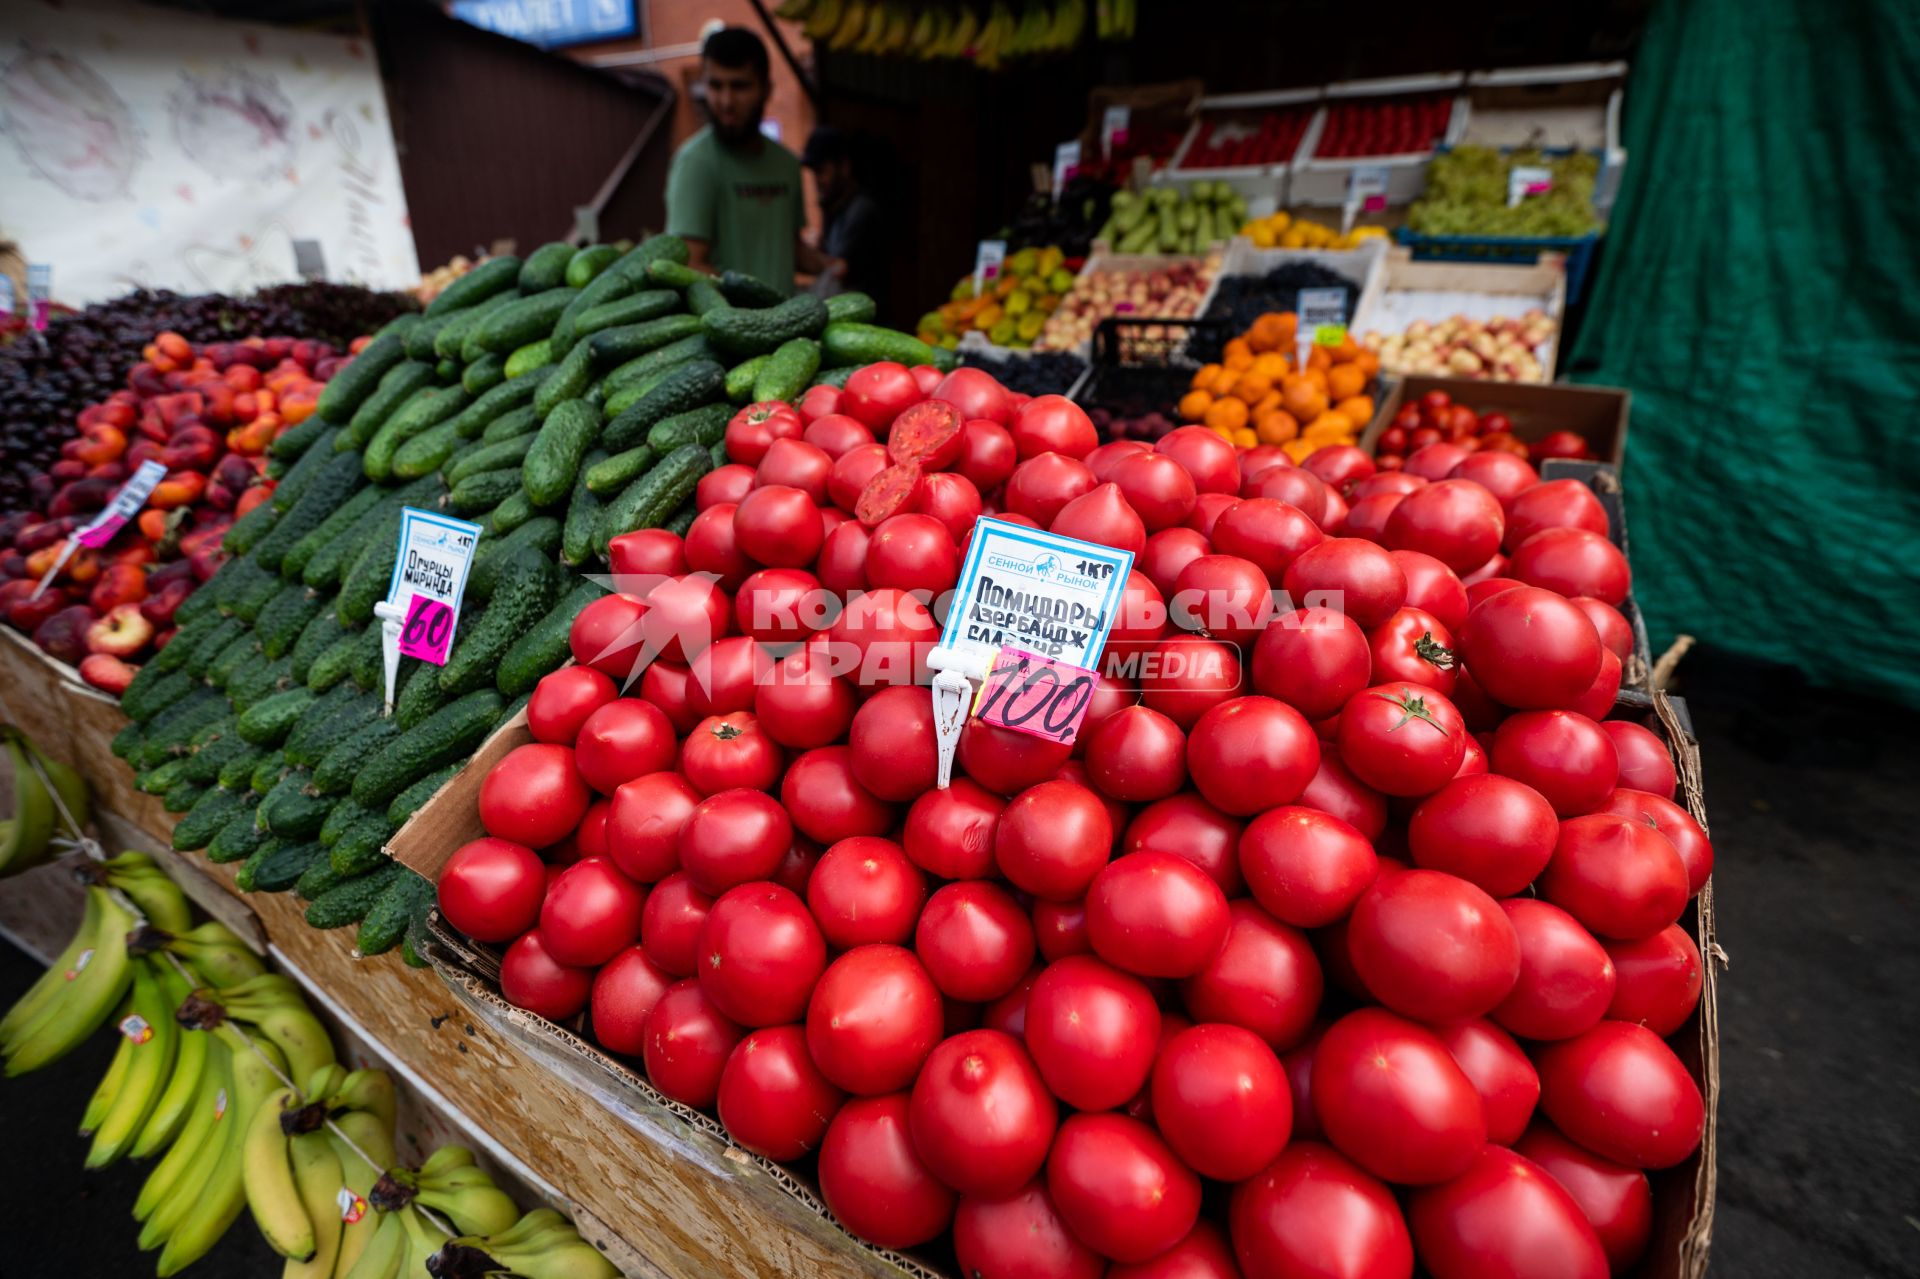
(1339, 940)
(1435, 418)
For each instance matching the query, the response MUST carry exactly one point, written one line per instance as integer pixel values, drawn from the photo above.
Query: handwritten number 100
(1057, 704)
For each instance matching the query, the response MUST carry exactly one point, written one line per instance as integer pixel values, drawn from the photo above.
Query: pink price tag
(1035, 694)
(1376, 203)
(102, 533)
(428, 631)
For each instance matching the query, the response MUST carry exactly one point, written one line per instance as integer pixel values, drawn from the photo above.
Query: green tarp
(1760, 296)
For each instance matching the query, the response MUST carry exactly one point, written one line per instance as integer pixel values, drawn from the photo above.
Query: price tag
(1066, 158)
(1329, 334)
(1046, 595)
(1526, 180)
(136, 1028)
(422, 608)
(1366, 193)
(1036, 694)
(40, 293)
(112, 518)
(987, 261)
(1319, 309)
(352, 1206)
(1113, 128)
(6, 294)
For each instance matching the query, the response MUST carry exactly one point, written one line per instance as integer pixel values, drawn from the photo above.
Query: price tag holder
(1066, 158)
(422, 608)
(987, 261)
(1036, 694)
(1114, 124)
(1320, 310)
(1046, 596)
(1526, 180)
(1366, 193)
(40, 293)
(112, 518)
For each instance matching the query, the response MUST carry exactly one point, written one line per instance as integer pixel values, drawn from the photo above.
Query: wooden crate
(1597, 414)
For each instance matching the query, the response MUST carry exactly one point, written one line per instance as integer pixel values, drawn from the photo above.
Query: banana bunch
(305, 1170)
(1114, 19)
(540, 1245)
(891, 28)
(26, 838)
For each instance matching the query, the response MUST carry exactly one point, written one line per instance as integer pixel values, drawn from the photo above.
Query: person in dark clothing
(853, 228)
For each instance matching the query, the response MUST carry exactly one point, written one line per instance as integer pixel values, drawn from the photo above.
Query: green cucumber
(656, 361)
(451, 340)
(209, 761)
(334, 773)
(387, 920)
(589, 262)
(742, 376)
(856, 307)
(543, 648)
(545, 267)
(835, 377)
(705, 297)
(610, 285)
(741, 332)
(542, 533)
(362, 845)
(681, 520)
(673, 275)
(448, 735)
(483, 492)
(293, 485)
(267, 773)
(687, 387)
(528, 583)
(295, 440)
(336, 663)
(400, 384)
(524, 360)
(653, 498)
(419, 695)
(201, 603)
(209, 644)
(513, 326)
(281, 868)
(488, 457)
(237, 772)
(583, 514)
(569, 381)
(662, 247)
(346, 903)
(485, 373)
(346, 390)
(246, 648)
(332, 563)
(847, 342)
(317, 879)
(241, 836)
(342, 518)
(706, 426)
(256, 597)
(323, 729)
(419, 341)
(554, 460)
(477, 285)
(614, 347)
(635, 308)
(749, 291)
(502, 399)
(425, 411)
(268, 722)
(251, 687)
(609, 476)
(321, 634)
(787, 371)
(160, 778)
(281, 622)
(509, 426)
(426, 452)
(242, 536)
(343, 815)
(415, 797)
(183, 795)
(291, 810)
(514, 511)
(152, 690)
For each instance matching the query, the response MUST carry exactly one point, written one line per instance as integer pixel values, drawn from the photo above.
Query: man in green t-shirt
(733, 194)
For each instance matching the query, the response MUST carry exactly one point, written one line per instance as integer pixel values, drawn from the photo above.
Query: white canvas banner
(142, 145)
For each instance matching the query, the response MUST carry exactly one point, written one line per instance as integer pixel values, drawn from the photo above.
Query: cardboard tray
(776, 1223)
(1597, 414)
(1509, 289)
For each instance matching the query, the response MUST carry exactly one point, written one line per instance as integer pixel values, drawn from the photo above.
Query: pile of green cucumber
(558, 401)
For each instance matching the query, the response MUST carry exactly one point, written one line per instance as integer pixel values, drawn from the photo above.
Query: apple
(107, 673)
(119, 584)
(122, 632)
(63, 636)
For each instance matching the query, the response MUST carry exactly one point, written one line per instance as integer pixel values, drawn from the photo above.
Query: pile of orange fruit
(1255, 394)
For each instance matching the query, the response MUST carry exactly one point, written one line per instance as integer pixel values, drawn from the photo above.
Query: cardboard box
(1597, 414)
(776, 1214)
(1433, 291)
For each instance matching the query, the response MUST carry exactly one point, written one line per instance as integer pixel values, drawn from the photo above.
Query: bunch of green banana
(540, 1245)
(894, 28)
(272, 1005)
(1114, 19)
(451, 1184)
(26, 838)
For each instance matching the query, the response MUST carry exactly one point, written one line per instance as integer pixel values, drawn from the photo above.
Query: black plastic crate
(1141, 367)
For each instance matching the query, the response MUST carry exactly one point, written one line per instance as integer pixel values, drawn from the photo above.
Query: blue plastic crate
(1510, 250)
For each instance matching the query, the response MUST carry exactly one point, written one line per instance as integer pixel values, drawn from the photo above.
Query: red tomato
(1504, 475)
(1413, 647)
(874, 1182)
(1491, 831)
(1457, 522)
(1481, 588)
(1156, 915)
(728, 751)
(1615, 1199)
(1508, 1087)
(590, 839)
(1137, 754)
(1221, 1099)
(1503, 1216)
(1672, 821)
(1290, 486)
(752, 431)
(773, 1099)
(591, 913)
(625, 992)
(928, 435)
(491, 889)
(975, 940)
(1305, 867)
(980, 1116)
(622, 740)
(606, 635)
(1389, 1097)
(878, 393)
(1093, 1031)
(1040, 487)
(1268, 532)
(533, 796)
(644, 824)
(1361, 580)
(843, 559)
(976, 394)
(1102, 516)
(1338, 465)
(894, 749)
(987, 454)
(647, 552)
(1119, 1188)
(1619, 878)
(1265, 978)
(864, 890)
(826, 802)
(1312, 1212)
(803, 703)
(723, 486)
(1313, 659)
(1367, 517)
(1434, 587)
(1336, 792)
(1156, 486)
(734, 837)
(1052, 838)
(1573, 561)
(853, 470)
(779, 605)
(1006, 761)
(836, 433)
(1645, 763)
(531, 978)
(1224, 595)
(1053, 424)
(1554, 504)
(778, 525)
(927, 376)
(760, 954)
(670, 924)
(713, 548)
(688, 1043)
(1387, 482)
(1060, 928)
(1189, 827)
(1213, 463)
(1020, 1236)
(1435, 460)
(1614, 631)
(1185, 676)
(685, 614)
(1564, 755)
(669, 686)
(819, 401)
(950, 833)
(912, 553)
(1658, 980)
(952, 499)
(1619, 1091)
(873, 1018)
(1208, 509)
(1140, 619)
(1432, 946)
(892, 632)
(562, 701)
(1251, 754)
(1407, 763)
(889, 493)
(1566, 978)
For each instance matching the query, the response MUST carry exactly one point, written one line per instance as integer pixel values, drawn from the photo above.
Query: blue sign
(1035, 590)
(550, 23)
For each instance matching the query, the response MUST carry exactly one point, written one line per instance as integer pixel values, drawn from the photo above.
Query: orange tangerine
(1302, 398)
(1194, 405)
(1275, 426)
(1245, 439)
(1357, 409)
(1203, 376)
(1344, 381)
(1228, 414)
(1251, 386)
